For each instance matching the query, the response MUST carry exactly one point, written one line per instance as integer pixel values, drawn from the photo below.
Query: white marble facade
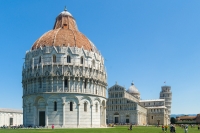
(125, 106)
(64, 85)
(11, 117)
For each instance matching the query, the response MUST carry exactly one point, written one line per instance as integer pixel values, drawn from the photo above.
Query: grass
(118, 129)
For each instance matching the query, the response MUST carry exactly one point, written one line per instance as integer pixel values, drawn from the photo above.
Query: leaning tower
(167, 95)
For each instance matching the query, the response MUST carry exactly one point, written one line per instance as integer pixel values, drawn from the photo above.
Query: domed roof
(132, 89)
(65, 33)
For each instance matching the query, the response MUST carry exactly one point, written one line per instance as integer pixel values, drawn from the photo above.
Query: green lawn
(119, 129)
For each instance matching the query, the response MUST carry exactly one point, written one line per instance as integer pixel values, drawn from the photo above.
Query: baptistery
(64, 79)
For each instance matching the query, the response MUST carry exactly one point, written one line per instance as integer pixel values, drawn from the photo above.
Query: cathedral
(64, 79)
(125, 106)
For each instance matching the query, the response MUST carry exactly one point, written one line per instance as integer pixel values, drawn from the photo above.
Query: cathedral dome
(132, 89)
(65, 33)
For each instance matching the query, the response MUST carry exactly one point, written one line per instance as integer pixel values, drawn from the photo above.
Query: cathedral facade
(64, 79)
(125, 106)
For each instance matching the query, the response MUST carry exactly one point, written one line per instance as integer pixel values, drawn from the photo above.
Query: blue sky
(147, 42)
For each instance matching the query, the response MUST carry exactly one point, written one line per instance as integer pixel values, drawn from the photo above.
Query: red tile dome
(64, 33)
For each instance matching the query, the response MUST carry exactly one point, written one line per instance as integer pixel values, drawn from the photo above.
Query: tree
(172, 120)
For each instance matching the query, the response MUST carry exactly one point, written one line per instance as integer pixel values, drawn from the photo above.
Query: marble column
(34, 115)
(51, 84)
(63, 84)
(69, 88)
(63, 98)
(91, 114)
(46, 116)
(78, 119)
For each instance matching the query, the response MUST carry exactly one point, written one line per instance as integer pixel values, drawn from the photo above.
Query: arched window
(85, 84)
(93, 63)
(96, 106)
(54, 58)
(71, 106)
(85, 107)
(81, 60)
(55, 106)
(66, 82)
(68, 59)
(40, 83)
(40, 59)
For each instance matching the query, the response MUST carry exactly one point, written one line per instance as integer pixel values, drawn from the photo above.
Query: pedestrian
(186, 129)
(166, 128)
(52, 126)
(130, 128)
(163, 128)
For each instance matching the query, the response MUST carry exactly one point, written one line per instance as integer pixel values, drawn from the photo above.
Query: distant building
(127, 107)
(10, 117)
(188, 119)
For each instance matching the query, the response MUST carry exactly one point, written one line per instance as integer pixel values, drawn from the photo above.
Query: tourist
(186, 128)
(172, 129)
(166, 128)
(163, 128)
(130, 128)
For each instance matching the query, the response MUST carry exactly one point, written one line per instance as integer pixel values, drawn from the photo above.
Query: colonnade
(57, 84)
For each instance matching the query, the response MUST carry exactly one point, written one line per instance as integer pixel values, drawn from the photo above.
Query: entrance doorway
(42, 118)
(158, 122)
(11, 121)
(127, 120)
(116, 119)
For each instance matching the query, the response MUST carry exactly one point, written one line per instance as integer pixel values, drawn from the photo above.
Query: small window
(85, 84)
(93, 63)
(64, 26)
(55, 106)
(96, 91)
(68, 59)
(71, 106)
(40, 83)
(81, 60)
(151, 117)
(66, 82)
(54, 58)
(85, 107)
(40, 59)
(96, 107)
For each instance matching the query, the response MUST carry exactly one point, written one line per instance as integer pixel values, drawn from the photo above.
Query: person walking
(163, 128)
(52, 126)
(186, 128)
(166, 128)
(130, 128)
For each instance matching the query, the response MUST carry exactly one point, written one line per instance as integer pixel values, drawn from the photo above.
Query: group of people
(172, 128)
(164, 128)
